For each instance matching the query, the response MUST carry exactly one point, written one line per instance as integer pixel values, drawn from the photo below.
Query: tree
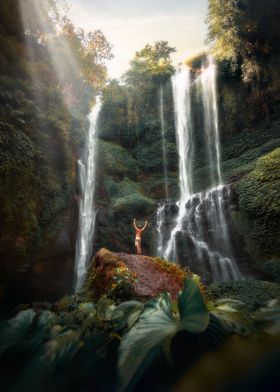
(50, 73)
(150, 68)
(245, 32)
(152, 63)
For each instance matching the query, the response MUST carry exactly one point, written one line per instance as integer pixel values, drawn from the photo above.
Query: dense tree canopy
(152, 62)
(130, 105)
(245, 32)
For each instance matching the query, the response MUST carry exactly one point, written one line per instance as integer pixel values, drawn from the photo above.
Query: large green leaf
(193, 311)
(25, 332)
(15, 332)
(41, 330)
(155, 326)
(55, 353)
(141, 343)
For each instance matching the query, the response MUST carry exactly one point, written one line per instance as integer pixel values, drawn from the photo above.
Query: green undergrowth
(114, 278)
(254, 293)
(118, 345)
(115, 160)
(259, 202)
(272, 268)
(133, 204)
(248, 139)
(239, 154)
(154, 186)
(119, 189)
(36, 167)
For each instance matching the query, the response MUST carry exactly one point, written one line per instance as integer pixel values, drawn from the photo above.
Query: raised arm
(134, 224)
(144, 226)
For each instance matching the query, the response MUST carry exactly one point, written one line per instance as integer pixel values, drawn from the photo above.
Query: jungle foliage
(43, 119)
(245, 32)
(76, 345)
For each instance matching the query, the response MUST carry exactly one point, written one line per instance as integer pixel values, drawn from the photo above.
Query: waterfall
(181, 85)
(211, 125)
(160, 228)
(87, 211)
(199, 235)
(162, 127)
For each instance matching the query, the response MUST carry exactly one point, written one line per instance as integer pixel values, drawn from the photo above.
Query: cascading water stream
(200, 223)
(164, 155)
(181, 84)
(87, 211)
(207, 80)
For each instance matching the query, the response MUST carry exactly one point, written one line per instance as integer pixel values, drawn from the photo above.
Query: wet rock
(149, 276)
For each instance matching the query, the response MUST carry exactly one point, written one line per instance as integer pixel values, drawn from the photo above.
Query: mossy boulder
(124, 276)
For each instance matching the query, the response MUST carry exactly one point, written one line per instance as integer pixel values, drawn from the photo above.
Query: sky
(131, 24)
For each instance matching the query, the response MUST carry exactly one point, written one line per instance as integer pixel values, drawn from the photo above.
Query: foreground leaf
(15, 332)
(142, 342)
(55, 353)
(156, 325)
(193, 311)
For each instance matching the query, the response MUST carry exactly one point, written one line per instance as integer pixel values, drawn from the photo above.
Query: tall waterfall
(87, 211)
(162, 126)
(207, 80)
(181, 84)
(199, 233)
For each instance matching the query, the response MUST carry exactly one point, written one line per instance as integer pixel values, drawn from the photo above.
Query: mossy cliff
(133, 185)
(43, 129)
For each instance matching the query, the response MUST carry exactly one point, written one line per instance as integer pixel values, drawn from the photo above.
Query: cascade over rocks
(149, 276)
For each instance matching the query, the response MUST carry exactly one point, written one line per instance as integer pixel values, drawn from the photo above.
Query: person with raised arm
(138, 236)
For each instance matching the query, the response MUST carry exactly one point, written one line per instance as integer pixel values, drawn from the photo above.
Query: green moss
(120, 189)
(254, 293)
(133, 205)
(153, 186)
(272, 268)
(115, 161)
(172, 268)
(36, 166)
(237, 167)
(259, 201)
(239, 153)
(114, 279)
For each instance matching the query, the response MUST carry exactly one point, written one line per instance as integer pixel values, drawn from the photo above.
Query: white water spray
(207, 81)
(200, 220)
(87, 210)
(181, 84)
(162, 126)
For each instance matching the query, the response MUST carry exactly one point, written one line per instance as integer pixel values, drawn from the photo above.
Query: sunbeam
(66, 69)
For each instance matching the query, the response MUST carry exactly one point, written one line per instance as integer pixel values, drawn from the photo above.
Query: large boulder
(146, 276)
